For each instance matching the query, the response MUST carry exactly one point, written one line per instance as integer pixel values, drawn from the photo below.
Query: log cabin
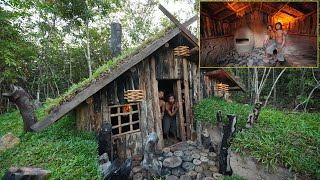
(126, 94)
(232, 34)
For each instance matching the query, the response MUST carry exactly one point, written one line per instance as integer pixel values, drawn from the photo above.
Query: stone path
(183, 161)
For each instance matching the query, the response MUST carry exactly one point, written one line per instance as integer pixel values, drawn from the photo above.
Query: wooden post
(115, 39)
(105, 141)
(180, 122)
(219, 119)
(187, 96)
(156, 105)
(224, 155)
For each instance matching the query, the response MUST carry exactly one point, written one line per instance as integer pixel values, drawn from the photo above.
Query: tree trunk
(274, 84)
(23, 100)
(224, 155)
(88, 56)
(253, 117)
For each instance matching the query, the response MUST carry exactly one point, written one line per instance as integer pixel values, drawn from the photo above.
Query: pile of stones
(184, 161)
(233, 59)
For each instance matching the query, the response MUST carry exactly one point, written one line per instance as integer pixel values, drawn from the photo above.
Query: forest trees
(283, 88)
(48, 46)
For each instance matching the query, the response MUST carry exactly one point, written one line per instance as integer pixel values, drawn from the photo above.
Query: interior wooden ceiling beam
(235, 12)
(289, 14)
(315, 11)
(219, 11)
(280, 9)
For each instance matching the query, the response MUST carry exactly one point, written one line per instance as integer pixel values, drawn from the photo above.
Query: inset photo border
(259, 34)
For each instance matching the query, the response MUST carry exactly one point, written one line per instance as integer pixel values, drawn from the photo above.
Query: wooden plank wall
(168, 67)
(304, 26)
(210, 27)
(142, 76)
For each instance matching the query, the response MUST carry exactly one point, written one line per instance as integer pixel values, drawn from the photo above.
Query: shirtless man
(162, 104)
(169, 119)
(280, 40)
(269, 41)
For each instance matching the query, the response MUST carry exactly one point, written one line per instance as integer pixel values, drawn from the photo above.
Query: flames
(126, 108)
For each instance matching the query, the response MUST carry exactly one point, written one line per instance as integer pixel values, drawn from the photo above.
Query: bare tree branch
(274, 84)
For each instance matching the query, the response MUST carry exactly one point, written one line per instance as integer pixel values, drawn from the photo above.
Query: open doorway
(173, 87)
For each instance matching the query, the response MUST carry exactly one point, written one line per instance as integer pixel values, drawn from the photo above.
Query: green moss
(67, 153)
(279, 138)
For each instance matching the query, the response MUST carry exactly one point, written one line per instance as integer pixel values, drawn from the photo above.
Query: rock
(178, 153)
(172, 162)
(196, 162)
(212, 155)
(214, 169)
(8, 141)
(26, 173)
(204, 154)
(137, 176)
(199, 176)
(198, 169)
(188, 166)
(161, 158)
(196, 156)
(204, 159)
(187, 153)
(208, 173)
(135, 163)
(261, 63)
(103, 158)
(211, 163)
(165, 171)
(166, 150)
(206, 151)
(177, 171)
(185, 177)
(217, 175)
(137, 169)
(105, 166)
(172, 177)
(192, 174)
(204, 166)
(187, 158)
(208, 178)
(168, 154)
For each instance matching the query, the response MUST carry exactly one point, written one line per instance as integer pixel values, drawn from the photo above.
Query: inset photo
(258, 34)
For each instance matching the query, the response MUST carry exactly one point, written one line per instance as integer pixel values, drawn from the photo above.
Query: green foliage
(15, 51)
(233, 178)
(67, 153)
(206, 110)
(279, 138)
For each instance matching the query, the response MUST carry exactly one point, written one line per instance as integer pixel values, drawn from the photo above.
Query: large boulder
(8, 141)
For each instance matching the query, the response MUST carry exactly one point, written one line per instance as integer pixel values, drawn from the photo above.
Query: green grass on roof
(280, 138)
(107, 68)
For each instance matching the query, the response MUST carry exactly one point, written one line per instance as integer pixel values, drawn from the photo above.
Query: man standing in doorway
(169, 119)
(280, 37)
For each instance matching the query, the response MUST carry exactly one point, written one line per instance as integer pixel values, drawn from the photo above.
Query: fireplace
(244, 40)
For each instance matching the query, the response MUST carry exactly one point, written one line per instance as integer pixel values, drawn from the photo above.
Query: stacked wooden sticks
(181, 51)
(222, 87)
(134, 95)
